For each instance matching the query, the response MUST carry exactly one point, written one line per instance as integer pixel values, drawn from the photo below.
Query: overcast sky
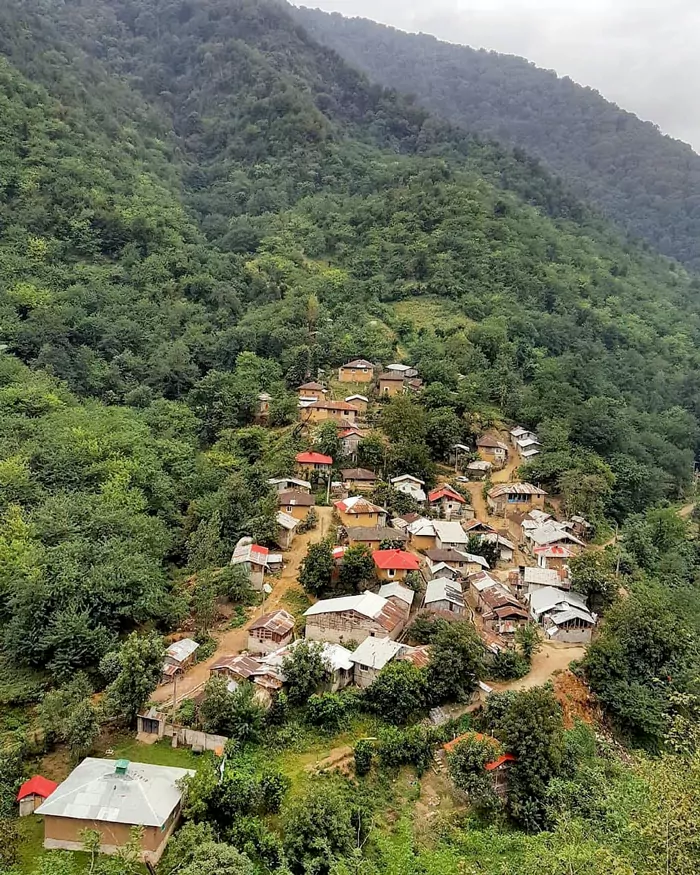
(643, 54)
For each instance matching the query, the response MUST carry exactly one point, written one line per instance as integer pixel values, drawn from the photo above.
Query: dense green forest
(198, 202)
(647, 182)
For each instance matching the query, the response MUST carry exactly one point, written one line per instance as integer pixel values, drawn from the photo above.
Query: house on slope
(270, 632)
(443, 594)
(296, 504)
(111, 797)
(391, 383)
(286, 528)
(310, 462)
(337, 411)
(563, 615)
(446, 502)
(373, 536)
(393, 565)
(464, 563)
(354, 618)
(492, 450)
(370, 657)
(515, 498)
(253, 559)
(179, 656)
(356, 371)
(289, 484)
(359, 479)
(357, 511)
(410, 485)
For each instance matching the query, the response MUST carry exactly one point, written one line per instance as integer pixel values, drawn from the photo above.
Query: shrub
(364, 751)
(327, 711)
(509, 665)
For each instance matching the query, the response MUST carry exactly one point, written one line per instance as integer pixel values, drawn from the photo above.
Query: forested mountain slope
(199, 202)
(648, 183)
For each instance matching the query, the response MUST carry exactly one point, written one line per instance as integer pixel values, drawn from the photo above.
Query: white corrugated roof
(376, 652)
(397, 589)
(368, 604)
(441, 589)
(551, 534)
(286, 520)
(544, 576)
(422, 528)
(450, 532)
(571, 613)
(145, 796)
(180, 650)
(550, 597)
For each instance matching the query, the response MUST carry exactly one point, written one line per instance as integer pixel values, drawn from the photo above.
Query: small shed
(286, 525)
(443, 594)
(179, 656)
(33, 792)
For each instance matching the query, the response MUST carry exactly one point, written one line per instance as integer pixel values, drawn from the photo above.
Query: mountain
(199, 202)
(646, 182)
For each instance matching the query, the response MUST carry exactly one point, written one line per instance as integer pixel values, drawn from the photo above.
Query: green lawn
(159, 754)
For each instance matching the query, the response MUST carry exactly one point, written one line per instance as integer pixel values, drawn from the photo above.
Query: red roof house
(445, 492)
(394, 564)
(33, 792)
(315, 461)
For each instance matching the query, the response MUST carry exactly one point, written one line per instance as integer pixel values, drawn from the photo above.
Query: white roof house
(450, 533)
(409, 485)
(400, 369)
(376, 652)
(286, 521)
(541, 576)
(552, 533)
(422, 528)
(179, 651)
(283, 484)
(368, 604)
(352, 398)
(335, 656)
(117, 791)
(443, 589)
(396, 589)
(549, 598)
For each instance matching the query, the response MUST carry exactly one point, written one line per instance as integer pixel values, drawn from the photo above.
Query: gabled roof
(450, 532)
(396, 559)
(455, 557)
(358, 474)
(335, 656)
(36, 786)
(252, 553)
(479, 465)
(404, 478)
(358, 363)
(443, 589)
(277, 622)
(94, 791)
(357, 398)
(477, 527)
(275, 481)
(311, 387)
(376, 652)
(397, 590)
(549, 597)
(368, 604)
(296, 499)
(310, 458)
(181, 650)
(391, 376)
(286, 521)
(422, 528)
(518, 431)
(375, 533)
(515, 489)
(541, 576)
(334, 405)
(552, 533)
(482, 581)
(446, 492)
(353, 430)
(554, 551)
(357, 504)
(490, 442)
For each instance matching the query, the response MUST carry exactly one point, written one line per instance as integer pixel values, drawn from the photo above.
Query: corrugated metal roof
(278, 622)
(368, 604)
(399, 591)
(181, 650)
(376, 652)
(378, 533)
(296, 499)
(550, 597)
(313, 459)
(358, 474)
(450, 532)
(145, 796)
(357, 504)
(515, 489)
(543, 576)
(286, 521)
(444, 589)
(396, 559)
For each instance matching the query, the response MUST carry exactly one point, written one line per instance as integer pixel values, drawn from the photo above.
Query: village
(477, 545)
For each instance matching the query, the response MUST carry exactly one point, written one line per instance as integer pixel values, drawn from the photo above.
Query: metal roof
(571, 613)
(543, 576)
(286, 521)
(296, 499)
(358, 363)
(552, 534)
(406, 477)
(450, 532)
(278, 622)
(396, 589)
(376, 652)
(515, 489)
(375, 533)
(358, 474)
(145, 796)
(368, 604)
(396, 559)
(336, 657)
(357, 504)
(181, 650)
(444, 589)
(550, 597)
(275, 481)
(253, 553)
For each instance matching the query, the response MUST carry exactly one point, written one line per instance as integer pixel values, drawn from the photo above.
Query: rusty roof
(277, 622)
(303, 499)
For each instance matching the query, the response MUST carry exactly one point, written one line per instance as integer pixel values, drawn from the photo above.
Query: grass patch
(162, 753)
(425, 312)
(296, 601)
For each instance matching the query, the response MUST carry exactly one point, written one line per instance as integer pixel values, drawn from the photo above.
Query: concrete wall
(64, 833)
(354, 375)
(258, 645)
(398, 575)
(423, 542)
(582, 635)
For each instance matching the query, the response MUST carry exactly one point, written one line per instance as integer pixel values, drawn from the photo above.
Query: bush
(509, 665)
(327, 711)
(399, 692)
(413, 746)
(186, 714)
(425, 628)
(364, 751)
(273, 786)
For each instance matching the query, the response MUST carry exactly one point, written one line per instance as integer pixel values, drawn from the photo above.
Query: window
(289, 508)
(390, 572)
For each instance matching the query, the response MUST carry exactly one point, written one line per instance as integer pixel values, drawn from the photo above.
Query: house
(485, 532)
(410, 485)
(111, 797)
(563, 615)
(354, 618)
(441, 569)
(479, 469)
(517, 433)
(446, 502)
(414, 385)
(350, 440)
(443, 594)
(497, 768)
(358, 478)
(479, 582)
(359, 511)
(314, 390)
(529, 578)
(449, 533)
(289, 484)
(406, 371)
(394, 564)
(263, 406)
(33, 793)
(528, 448)
(421, 533)
(397, 591)
(270, 632)
(310, 461)
(338, 411)
(296, 504)
(242, 668)
(501, 611)
(515, 497)
(371, 656)
(286, 526)
(554, 556)
(492, 450)
(372, 536)
(581, 527)
(465, 563)
(357, 371)
(359, 402)
(404, 521)
(550, 534)
(179, 656)
(253, 559)
(390, 383)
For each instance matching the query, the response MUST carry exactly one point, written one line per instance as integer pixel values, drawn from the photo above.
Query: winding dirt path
(233, 641)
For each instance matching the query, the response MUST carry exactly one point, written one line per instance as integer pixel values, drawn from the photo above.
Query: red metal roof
(445, 492)
(313, 459)
(477, 736)
(506, 758)
(396, 559)
(36, 786)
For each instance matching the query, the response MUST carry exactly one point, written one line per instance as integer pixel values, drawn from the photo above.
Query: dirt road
(234, 641)
(550, 659)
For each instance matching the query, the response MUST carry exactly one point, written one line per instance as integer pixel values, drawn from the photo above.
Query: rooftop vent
(122, 767)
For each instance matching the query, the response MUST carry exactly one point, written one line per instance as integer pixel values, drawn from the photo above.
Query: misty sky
(643, 54)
